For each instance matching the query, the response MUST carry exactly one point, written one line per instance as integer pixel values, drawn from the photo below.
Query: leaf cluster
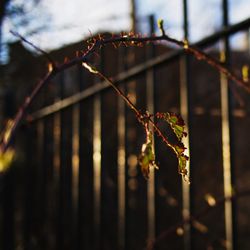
(146, 158)
(177, 125)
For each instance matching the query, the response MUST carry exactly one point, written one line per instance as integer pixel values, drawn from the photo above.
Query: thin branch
(140, 116)
(11, 130)
(118, 91)
(46, 54)
(196, 52)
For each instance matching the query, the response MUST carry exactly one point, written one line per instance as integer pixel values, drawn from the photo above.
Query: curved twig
(95, 44)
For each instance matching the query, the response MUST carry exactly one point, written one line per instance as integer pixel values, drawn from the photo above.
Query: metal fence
(80, 186)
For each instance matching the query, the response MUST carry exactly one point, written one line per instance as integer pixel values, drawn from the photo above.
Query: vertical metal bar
(44, 176)
(76, 182)
(59, 167)
(97, 167)
(121, 173)
(57, 141)
(56, 170)
(8, 234)
(56, 145)
(30, 188)
(226, 161)
(121, 163)
(75, 161)
(226, 140)
(184, 110)
(185, 186)
(40, 148)
(75, 155)
(85, 234)
(41, 204)
(248, 40)
(150, 108)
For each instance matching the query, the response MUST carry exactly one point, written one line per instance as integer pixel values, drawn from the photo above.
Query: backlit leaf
(182, 160)
(6, 159)
(177, 124)
(147, 156)
(182, 164)
(179, 149)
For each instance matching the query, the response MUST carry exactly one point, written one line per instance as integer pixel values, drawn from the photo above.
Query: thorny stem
(127, 40)
(198, 54)
(139, 115)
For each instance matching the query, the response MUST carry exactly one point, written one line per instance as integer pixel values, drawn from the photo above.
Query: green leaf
(176, 123)
(182, 167)
(179, 149)
(6, 158)
(147, 156)
(182, 160)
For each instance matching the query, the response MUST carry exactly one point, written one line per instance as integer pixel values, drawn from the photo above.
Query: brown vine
(94, 45)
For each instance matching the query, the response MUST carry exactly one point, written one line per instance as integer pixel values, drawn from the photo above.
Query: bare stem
(196, 52)
(47, 55)
(138, 114)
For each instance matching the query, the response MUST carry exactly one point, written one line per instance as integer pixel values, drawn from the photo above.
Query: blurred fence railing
(81, 188)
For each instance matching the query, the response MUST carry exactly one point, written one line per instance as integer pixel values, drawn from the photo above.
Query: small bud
(160, 25)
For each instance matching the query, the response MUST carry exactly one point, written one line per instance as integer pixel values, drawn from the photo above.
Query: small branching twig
(43, 52)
